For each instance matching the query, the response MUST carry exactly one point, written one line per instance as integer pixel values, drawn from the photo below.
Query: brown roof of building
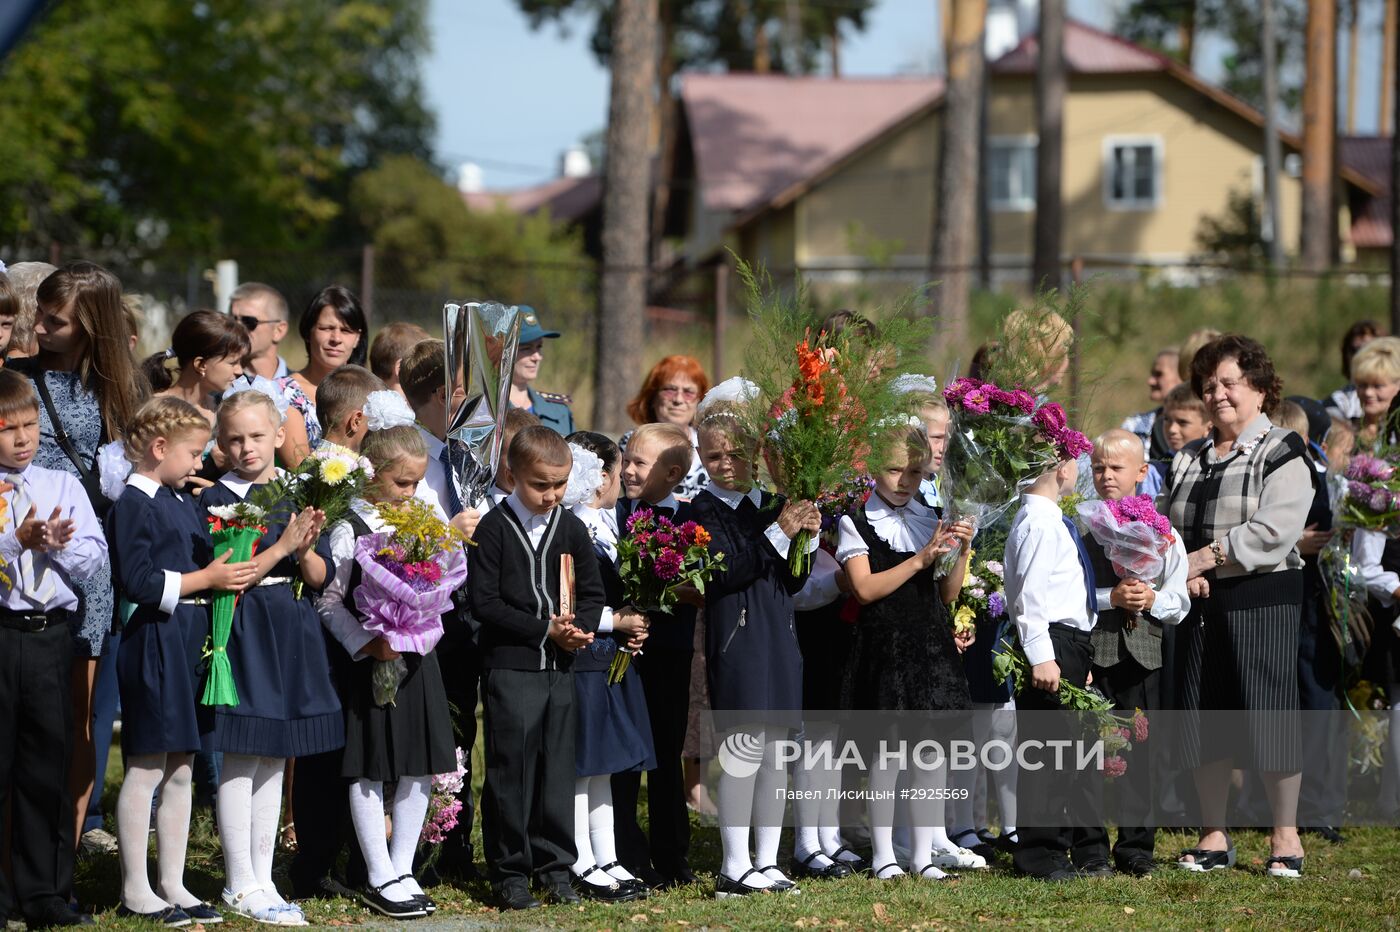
(755, 136)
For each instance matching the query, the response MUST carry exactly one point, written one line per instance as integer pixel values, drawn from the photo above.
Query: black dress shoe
(637, 884)
(374, 898)
(727, 887)
(780, 885)
(560, 891)
(598, 884)
(1060, 875)
(172, 917)
(517, 896)
(61, 914)
(1096, 867)
(1138, 865)
(858, 865)
(834, 870)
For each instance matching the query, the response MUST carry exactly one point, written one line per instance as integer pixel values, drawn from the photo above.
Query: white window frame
(1159, 179)
(1023, 204)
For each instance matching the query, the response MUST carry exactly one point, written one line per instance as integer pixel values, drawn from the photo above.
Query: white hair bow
(585, 476)
(737, 389)
(386, 409)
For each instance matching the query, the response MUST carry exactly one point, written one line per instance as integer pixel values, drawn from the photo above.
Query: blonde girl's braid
(162, 417)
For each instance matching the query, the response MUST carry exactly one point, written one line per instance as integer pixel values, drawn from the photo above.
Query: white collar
(596, 520)
(907, 529)
(1040, 503)
(20, 474)
(368, 512)
(527, 517)
(434, 444)
(236, 484)
(144, 483)
(732, 498)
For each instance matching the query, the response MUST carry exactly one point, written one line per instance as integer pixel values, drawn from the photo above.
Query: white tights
(249, 804)
(753, 801)
(390, 861)
(593, 828)
(147, 774)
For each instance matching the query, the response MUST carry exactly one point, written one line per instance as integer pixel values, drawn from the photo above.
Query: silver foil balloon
(482, 339)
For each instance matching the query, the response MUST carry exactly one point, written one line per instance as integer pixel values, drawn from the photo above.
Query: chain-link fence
(1129, 310)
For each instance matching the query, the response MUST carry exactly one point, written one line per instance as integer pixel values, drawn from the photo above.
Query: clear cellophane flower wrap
(999, 442)
(1136, 548)
(1365, 499)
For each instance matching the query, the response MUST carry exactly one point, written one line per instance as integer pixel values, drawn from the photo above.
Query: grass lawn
(1355, 886)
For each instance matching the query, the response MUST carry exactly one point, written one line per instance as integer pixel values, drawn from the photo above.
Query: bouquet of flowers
(237, 528)
(1134, 535)
(1369, 501)
(982, 594)
(330, 478)
(5, 487)
(817, 394)
(999, 442)
(1117, 730)
(655, 558)
(848, 497)
(443, 805)
(408, 574)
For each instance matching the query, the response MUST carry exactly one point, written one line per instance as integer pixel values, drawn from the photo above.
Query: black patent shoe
(374, 898)
(858, 866)
(1137, 865)
(423, 899)
(726, 887)
(833, 871)
(979, 846)
(782, 884)
(605, 889)
(637, 884)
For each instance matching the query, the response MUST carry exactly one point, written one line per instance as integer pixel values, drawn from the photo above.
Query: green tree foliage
(426, 239)
(715, 32)
(218, 124)
(1155, 23)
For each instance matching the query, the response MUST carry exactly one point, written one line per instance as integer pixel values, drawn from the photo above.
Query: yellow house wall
(884, 198)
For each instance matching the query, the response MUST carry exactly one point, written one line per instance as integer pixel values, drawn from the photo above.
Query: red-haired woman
(670, 395)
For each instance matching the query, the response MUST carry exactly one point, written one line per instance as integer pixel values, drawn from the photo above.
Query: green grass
(1355, 885)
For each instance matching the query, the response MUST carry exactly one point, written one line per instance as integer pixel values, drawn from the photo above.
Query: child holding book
(531, 624)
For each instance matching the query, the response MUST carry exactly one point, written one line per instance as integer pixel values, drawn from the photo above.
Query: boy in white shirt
(1050, 594)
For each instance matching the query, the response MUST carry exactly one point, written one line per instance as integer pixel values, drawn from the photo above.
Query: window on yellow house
(1011, 173)
(1132, 172)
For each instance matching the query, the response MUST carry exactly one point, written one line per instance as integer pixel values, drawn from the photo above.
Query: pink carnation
(1072, 444)
(1114, 766)
(1050, 418)
(954, 393)
(1024, 400)
(1139, 728)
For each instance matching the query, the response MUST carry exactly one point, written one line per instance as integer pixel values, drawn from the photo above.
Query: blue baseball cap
(530, 329)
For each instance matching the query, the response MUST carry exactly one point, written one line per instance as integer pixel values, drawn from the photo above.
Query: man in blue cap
(552, 409)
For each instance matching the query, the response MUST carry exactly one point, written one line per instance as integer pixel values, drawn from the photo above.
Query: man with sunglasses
(552, 409)
(262, 309)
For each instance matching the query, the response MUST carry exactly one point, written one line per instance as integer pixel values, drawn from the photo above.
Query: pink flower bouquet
(999, 442)
(408, 575)
(1134, 535)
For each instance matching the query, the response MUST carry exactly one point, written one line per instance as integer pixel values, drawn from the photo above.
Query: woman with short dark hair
(1240, 502)
(336, 333)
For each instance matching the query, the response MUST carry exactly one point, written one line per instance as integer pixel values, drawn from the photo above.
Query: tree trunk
(1046, 271)
(1272, 154)
(1392, 81)
(1319, 134)
(1353, 50)
(835, 47)
(666, 116)
(622, 292)
(1388, 57)
(1186, 32)
(954, 242)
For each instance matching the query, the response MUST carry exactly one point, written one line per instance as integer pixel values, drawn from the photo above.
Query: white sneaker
(958, 859)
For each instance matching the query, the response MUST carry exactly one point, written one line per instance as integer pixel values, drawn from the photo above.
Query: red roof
(566, 199)
(754, 136)
(1087, 51)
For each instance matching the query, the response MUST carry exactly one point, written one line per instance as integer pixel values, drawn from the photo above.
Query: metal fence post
(367, 280)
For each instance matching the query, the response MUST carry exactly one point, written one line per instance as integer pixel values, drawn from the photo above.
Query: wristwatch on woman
(1219, 552)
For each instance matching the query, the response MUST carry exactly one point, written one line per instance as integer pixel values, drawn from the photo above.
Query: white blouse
(338, 617)
(602, 527)
(907, 529)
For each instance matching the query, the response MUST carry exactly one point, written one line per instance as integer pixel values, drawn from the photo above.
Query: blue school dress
(287, 703)
(752, 656)
(613, 734)
(153, 533)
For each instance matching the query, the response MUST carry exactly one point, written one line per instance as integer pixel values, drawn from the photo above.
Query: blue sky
(512, 99)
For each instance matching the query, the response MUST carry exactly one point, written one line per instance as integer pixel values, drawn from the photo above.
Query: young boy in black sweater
(527, 642)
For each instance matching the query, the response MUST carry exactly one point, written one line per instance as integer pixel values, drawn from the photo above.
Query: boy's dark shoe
(516, 895)
(59, 914)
